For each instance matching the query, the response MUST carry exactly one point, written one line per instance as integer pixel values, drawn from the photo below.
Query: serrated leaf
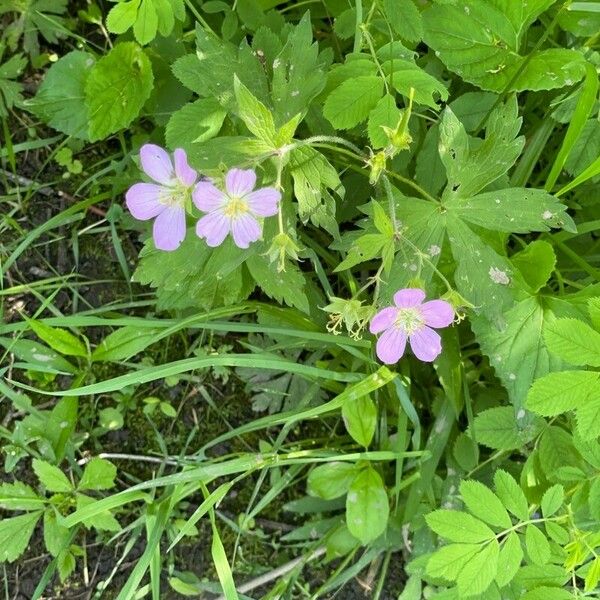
(405, 19)
(15, 534)
(509, 560)
(51, 477)
(284, 286)
(594, 499)
(538, 548)
(367, 506)
(60, 100)
(102, 521)
(19, 496)
(484, 504)
(360, 419)
(116, 89)
(146, 24)
(56, 537)
(547, 593)
(557, 393)
(385, 114)
(458, 526)
(517, 210)
(99, 474)
(499, 428)
(331, 480)
(552, 500)
(593, 576)
(405, 75)
(256, 116)
(480, 41)
(478, 574)
(588, 415)
(448, 561)
(574, 341)
(122, 16)
(511, 494)
(352, 101)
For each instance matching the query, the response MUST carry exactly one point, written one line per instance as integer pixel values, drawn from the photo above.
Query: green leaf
(405, 75)
(471, 164)
(60, 100)
(360, 419)
(99, 474)
(284, 286)
(123, 343)
(484, 504)
(594, 310)
(552, 500)
(547, 593)
(102, 521)
(38, 355)
(331, 480)
(256, 116)
(56, 537)
(594, 499)
(385, 114)
(19, 496)
(536, 263)
(499, 428)
(449, 561)
(315, 183)
(458, 526)
(350, 103)
(58, 339)
(516, 348)
(146, 24)
(122, 16)
(15, 534)
(574, 341)
(517, 210)
(511, 494)
(480, 41)
(51, 477)
(538, 548)
(367, 507)
(478, 574)
(532, 576)
(405, 19)
(588, 415)
(593, 576)
(465, 452)
(509, 560)
(116, 89)
(557, 393)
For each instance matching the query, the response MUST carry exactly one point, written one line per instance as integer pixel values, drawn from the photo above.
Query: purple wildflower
(165, 199)
(234, 211)
(411, 320)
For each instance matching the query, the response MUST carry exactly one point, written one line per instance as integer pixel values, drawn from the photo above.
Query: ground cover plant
(300, 299)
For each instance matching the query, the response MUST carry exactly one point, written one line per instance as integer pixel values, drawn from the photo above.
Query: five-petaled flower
(411, 319)
(235, 210)
(165, 199)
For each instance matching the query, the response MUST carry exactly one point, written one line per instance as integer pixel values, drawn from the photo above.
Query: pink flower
(165, 199)
(234, 211)
(411, 320)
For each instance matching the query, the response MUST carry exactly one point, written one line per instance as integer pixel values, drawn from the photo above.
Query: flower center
(409, 320)
(236, 207)
(175, 195)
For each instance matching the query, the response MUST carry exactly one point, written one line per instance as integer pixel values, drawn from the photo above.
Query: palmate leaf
(10, 90)
(481, 39)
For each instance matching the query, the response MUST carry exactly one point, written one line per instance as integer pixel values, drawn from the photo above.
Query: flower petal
(245, 230)
(437, 313)
(142, 200)
(214, 227)
(207, 197)
(409, 297)
(426, 344)
(239, 182)
(157, 164)
(184, 172)
(390, 345)
(383, 319)
(264, 202)
(169, 228)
